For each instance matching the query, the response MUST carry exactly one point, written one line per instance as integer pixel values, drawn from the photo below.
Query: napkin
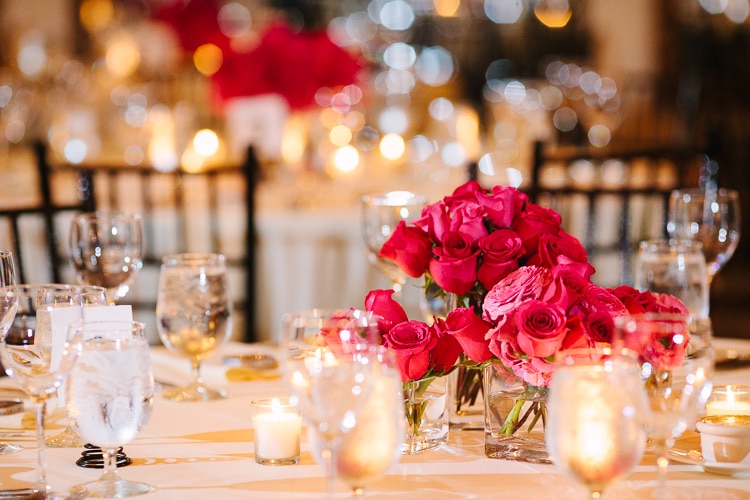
(18, 421)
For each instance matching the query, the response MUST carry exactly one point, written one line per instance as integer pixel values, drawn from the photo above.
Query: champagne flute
(32, 351)
(8, 305)
(595, 434)
(711, 216)
(373, 445)
(381, 213)
(193, 315)
(110, 395)
(330, 379)
(676, 366)
(106, 249)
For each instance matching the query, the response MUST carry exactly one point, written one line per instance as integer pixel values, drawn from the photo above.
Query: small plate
(687, 450)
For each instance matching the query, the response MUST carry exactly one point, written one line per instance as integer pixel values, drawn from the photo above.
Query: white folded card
(58, 319)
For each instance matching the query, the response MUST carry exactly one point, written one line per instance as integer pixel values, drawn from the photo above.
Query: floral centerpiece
(524, 290)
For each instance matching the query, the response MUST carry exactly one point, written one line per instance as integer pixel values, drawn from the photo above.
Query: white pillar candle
(277, 427)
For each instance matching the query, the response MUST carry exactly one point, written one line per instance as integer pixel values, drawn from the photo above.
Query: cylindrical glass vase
(426, 414)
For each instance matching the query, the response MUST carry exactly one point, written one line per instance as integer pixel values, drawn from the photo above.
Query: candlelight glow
(392, 146)
(95, 14)
(340, 135)
(293, 140)
(346, 159)
(206, 142)
(208, 59)
(123, 55)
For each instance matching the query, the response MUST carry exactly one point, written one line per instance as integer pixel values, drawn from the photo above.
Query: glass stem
(195, 373)
(41, 455)
(327, 454)
(109, 477)
(663, 463)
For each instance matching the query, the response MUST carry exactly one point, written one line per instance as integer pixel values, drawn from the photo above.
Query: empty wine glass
(106, 249)
(32, 351)
(373, 445)
(381, 213)
(711, 216)
(8, 305)
(193, 315)
(110, 395)
(595, 434)
(330, 380)
(676, 366)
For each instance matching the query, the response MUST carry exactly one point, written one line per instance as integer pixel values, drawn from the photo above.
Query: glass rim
(193, 258)
(395, 198)
(109, 214)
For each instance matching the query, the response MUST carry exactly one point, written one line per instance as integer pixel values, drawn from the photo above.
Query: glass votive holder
(733, 399)
(725, 438)
(277, 427)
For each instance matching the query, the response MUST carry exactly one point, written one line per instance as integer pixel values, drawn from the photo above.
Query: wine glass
(8, 305)
(193, 315)
(373, 445)
(595, 434)
(710, 216)
(110, 395)
(676, 366)
(381, 213)
(32, 350)
(675, 267)
(106, 249)
(89, 296)
(330, 379)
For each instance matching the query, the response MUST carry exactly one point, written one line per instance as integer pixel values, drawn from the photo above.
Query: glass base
(9, 449)
(65, 439)
(110, 488)
(193, 393)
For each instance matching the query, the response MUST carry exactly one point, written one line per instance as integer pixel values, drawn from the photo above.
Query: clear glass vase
(426, 414)
(515, 416)
(466, 396)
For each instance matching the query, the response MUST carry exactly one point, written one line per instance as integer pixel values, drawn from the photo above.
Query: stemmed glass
(330, 380)
(193, 315)
(110, 395)
(710, 216)
(106, 249)
(32, 351)
(381, 213)
(676, 366)
(373, 445)
(595, 434)
(8, 305)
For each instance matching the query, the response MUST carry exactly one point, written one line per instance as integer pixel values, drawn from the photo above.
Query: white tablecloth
(205, 450)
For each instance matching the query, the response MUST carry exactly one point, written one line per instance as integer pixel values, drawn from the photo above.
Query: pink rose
(412, 342)
(454, 268)
(525, 283)
(381, 303)
(636, 302)
(552, 246)
(500, 253)
(410, 248)
(533, 371)
(541, 328)
(670, 304)
(503, 205)
(470, 332)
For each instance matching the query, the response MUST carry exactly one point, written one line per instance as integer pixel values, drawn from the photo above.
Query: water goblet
(329, 378)
(106, 249)
(373, 445)
(711, 216)
(193, 315)
(675, 267)
(110, 395)
(32, 350)
(8, 305)
(595, 434)
(381, 213)
(676, 367)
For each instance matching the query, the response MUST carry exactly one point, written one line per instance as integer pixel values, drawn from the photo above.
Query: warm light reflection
(123, 56)
(294, 140)
(206, 142)
(95, 14)
(161, 148)
(208, 59)
(340, 135)
(446, 8)
(553, 13)
(346, 159)
(392, 146)
(467, 132)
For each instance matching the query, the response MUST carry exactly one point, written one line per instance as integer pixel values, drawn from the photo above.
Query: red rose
(381, 303)
(535, 221)
(412, 342)
(636, 302)
(447, 349)
(670, 304)
(470, 332)
(503, 205)
(552, 246)
(600, 326)
(541, 328)
(500, 253)
(525, 283)
(410, 248)
(454, 268)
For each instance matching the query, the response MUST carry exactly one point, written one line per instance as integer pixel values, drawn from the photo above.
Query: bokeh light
(392, 146)
(208, 59)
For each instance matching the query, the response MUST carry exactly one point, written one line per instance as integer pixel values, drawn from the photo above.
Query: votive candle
(277, 425)
(729, 400)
